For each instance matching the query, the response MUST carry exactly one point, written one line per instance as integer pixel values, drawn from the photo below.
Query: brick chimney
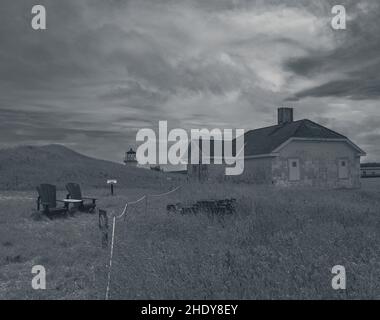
(284, 115)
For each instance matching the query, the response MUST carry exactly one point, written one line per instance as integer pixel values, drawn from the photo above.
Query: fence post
(103, 226)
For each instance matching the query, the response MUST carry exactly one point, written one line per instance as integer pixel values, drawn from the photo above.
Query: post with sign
(111, 183)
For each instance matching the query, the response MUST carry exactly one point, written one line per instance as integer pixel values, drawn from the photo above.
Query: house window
(343, 169)
(294, 169)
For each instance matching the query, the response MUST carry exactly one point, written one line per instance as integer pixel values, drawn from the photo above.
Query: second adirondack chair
(75, 192)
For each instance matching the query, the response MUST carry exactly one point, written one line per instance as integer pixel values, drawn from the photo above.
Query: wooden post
(111, 189)
(103, 226)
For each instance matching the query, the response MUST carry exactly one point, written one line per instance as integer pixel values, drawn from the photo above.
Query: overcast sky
(105, 68)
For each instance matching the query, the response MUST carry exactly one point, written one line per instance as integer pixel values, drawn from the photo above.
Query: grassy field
(279, 244)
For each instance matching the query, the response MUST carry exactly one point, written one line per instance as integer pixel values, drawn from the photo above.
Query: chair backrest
(74, 190)
(48, 194)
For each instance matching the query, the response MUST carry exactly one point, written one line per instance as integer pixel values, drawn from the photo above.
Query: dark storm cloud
(305, 66)
(355, 61)
(356, 88)
(105, 68)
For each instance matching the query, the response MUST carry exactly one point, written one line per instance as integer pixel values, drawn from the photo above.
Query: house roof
(265, 140)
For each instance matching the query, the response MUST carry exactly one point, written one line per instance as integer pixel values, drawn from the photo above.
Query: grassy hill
(24, 167)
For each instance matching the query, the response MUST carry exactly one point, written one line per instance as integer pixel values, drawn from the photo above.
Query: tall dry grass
(279, 244)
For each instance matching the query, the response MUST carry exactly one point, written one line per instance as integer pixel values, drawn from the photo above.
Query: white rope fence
(129, 203)
(166, 193)
(111, 257)
(123, 213)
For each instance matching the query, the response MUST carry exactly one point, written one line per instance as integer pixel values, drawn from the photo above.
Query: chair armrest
(89, 198)
(60, 201)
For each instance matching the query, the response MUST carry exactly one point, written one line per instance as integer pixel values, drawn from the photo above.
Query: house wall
(257, 170)
(206, 172)
(318, 164)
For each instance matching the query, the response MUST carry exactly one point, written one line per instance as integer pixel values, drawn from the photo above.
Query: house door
(294, 169)
(343, 169)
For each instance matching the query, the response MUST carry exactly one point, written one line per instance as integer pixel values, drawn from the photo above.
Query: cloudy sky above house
(105, 68)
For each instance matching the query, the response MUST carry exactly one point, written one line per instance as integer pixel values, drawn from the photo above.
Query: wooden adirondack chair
(47, 197)
(76, 193)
